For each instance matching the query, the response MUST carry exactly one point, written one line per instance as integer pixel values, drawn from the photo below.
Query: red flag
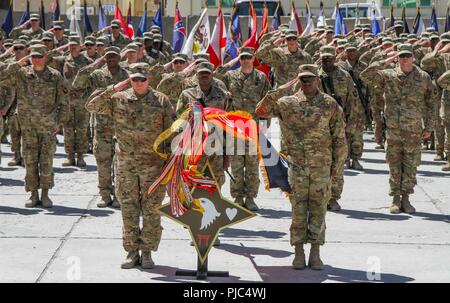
(295, 23)
(130, 28)
(216, 48)
(253, 39)
(265, 21)
(118, 16)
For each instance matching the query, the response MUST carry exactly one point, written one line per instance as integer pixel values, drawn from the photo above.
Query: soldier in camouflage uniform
(247, 87)
(408, 106)
(166, 46)
(130, 52)
(444, 82)
(41, 106)
(117, 38)
(58, 29)
(35, 32)
(338, 83)
(139, 114)
(315, 138)
(77, 124)
(208, 94)
(91, 51)
(92, 78)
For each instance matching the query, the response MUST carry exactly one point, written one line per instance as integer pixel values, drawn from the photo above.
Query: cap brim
(36, 54)
(74, 43)
(327, 55)
(307, 74)
(404, 52)
(291, 36)
(204, 70)
(112, 53)
(138, 75)
(245, 54)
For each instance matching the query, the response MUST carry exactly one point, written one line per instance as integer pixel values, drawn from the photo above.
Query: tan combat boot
(33, 201)
(70, 161)
(250, 204)
(333, 205)
(446, 167)
(115, 204)
(239, 201)
(299, 261)
(356, 165)
(379, 146)
(16, 161)
(146, 260)
(314, 261)
(406, 205)
(396, 205)
(80, 161)
(105, 200)
(439, 157)
(131, 261)
(45, 200)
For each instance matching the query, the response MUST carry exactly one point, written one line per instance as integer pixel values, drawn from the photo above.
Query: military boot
(347, 164)
(105, 200)
(425, 146)
(45, 200)
(396, 205)
(439, 157)
(131, 261)
(70, 161)
(80, 161)
(356, 165)
(250, 204)
(115, 204)
(314, 261)
(299, 262)
(406, 205)
(33, 201)
(16, 160)
(334, 205)
(446, 167)
(239, 201)
(146, 260)
(379, 146)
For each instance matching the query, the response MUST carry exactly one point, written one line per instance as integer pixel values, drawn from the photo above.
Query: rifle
(362, 96)
(328, 81)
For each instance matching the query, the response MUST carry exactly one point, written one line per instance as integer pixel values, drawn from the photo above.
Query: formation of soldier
(112, 96)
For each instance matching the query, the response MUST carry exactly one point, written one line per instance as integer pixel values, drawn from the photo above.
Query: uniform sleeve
(10, 74)
(444, 80)
(429, 120)
(268, 107)
(269, 54)
(431, 62)
(339, 143)
(82, 78)
(62, 100)
(168, 118)
(101, 103)
(372, 76)
(182, 103)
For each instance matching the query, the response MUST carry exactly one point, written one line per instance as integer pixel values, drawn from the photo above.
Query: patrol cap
(19, 43)
(434, 35)
(34, 42)
(139, 41)
(425, 35)
(398, 23)
(291, 34)
(58, 24)
(115, 23)
(132, 47)
(404, 49)
(351, 45)
(358, 28)
(102, 41)
(431, 29)
(180, 57)
(48, 36)
(8, 43)
(74, 40)
(34, 17)
(148, 36)
(341, 43)
(398, 40)
(201, 55)
(139, 70)
(112, 50)
(387, 41)
(329, 29)
(338, 37)
(412, 36)
(155, 29)
(157, 38)
(24, 37)
(246, 51)
(445, 37)
(404, 35)
(320, 29)
(283, 26)
(308, 70)
(90, 40)
(38, 50)
(366, 27)
(205, 67)
(327, 51)
(200, 60)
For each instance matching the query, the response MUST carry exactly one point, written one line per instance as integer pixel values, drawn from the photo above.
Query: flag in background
(276, 19)
(339, 23)
(433, 20)
(57, 12)
(321, 16)
(179, 31)
(26, 14)
(447, 19)
(101, 16)
(87, 23)
(74, 26)
(118, 16)
(42, 14)
(309, 21)
(216, 48)
(130, 22)
(405, 23)
(391, 16)
(235, 27)
(265, 21)
(375, 25)
(142, 28)
(357, 19)
(295, 23)
(8, 24)
(199, 37)
(252, 21)
(157, 19)
(418, 26)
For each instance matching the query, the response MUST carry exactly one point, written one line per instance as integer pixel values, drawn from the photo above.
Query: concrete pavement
(77, 242)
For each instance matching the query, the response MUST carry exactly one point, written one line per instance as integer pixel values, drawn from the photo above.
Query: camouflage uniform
(315, 138)
(444, 82)
(138, 121)
(407, 103)
(121, 42)
(91, 78)
(41, 106)
(76, 128)
(246, 91)
(218, 98)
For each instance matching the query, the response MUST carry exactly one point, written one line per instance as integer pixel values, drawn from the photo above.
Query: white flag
(199, 37)
(74, 26)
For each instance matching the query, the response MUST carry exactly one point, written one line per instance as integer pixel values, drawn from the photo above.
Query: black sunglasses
(37, 56)
(139, 79)
(246, 57)
(19, 48)
(307, 79)
(291, 39)
(179, 62)
(405, 56)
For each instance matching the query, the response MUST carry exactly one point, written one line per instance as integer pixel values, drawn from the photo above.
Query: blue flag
(87, 24)
(143, 24)
(42, 14)
(235, 28)
(447, 19)
(433, 20)
(375, 26)
(339, 24)
(179, 32)
(276, 20)
(26, 14)
(405, 23)
(57, 13)
(101, 17)
(8, 24)
(157, 20)
(231, 51)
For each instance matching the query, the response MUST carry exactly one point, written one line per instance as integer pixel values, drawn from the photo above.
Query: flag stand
(202, 272)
